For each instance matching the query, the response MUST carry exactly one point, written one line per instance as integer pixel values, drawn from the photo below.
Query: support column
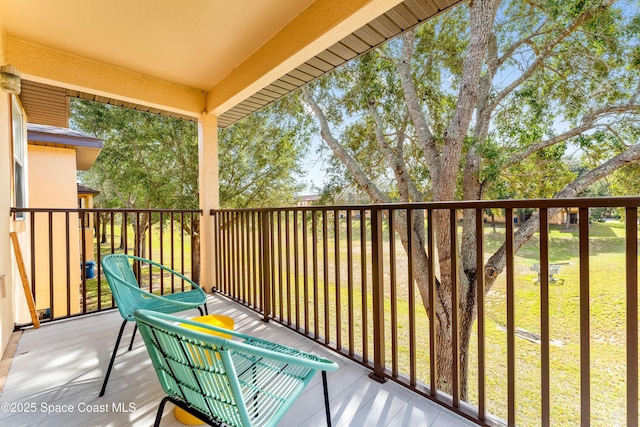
(209, 194)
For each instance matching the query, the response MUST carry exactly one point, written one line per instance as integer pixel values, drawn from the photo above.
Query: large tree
(260, 156)
(481, 102)
(146, 161)
(151, 161)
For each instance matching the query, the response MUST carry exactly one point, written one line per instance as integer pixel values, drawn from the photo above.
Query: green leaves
(146, 161)
(556, 67)
(260, 156)
(151, 161)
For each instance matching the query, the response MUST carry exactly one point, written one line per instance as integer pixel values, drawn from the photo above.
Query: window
(19, 180)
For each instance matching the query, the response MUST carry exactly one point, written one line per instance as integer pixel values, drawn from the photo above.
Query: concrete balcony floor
(57, 372)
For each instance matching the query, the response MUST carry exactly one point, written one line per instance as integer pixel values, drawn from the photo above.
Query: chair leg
(160, 410)
(200, 310)
(113, 358)
(135, 329)
(326, 398)
(206, 310)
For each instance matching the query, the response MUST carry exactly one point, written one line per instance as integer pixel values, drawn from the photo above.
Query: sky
(314, 165)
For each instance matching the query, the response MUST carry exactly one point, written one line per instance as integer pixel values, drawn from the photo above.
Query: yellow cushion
(221, 321)
(218, 320)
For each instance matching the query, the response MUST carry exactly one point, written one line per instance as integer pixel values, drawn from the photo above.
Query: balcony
(554, 341)
(59, 368)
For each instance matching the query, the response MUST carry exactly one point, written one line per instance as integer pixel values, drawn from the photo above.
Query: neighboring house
(85, 201)
(54, 156)
(558, 219)
(85, 197)
(307, 200)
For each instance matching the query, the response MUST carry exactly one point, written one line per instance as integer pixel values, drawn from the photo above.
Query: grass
(607, 324)
(607, 331)
(172, 259)
(607, 316)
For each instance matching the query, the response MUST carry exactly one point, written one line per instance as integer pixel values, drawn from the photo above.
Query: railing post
(266, 265)
(67, 229)
(632, 314)
(51, 264)
(511, 319)
(545, 367)
(378, 296)
(455, 313)
(585, 321)
(480, 301)
(83, 253)
(98, 241)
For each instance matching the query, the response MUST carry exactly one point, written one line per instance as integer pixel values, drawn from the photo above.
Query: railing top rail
(81, 210)
(577, 202)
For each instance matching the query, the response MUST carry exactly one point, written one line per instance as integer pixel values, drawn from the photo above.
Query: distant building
(307, 200)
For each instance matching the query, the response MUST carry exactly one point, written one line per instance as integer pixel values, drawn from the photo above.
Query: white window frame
(18, 136)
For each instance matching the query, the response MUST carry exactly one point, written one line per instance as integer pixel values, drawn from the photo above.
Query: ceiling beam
(51, 66)
(319, 26)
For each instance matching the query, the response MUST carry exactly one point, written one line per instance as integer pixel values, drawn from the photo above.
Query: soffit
(176, 45)
(49, 105)
(396, 21)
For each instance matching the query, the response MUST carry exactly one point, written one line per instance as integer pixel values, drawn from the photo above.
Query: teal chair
(243, 381)
(129, 297)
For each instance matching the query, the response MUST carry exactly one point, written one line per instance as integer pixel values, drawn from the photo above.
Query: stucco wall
(12, 300)
(52, 184)
(6, 309)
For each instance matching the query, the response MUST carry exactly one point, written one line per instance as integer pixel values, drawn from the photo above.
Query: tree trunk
(195, 262)
(103, 235)
(123, 232)
(444, 356)
(445, 291)
(140, 238)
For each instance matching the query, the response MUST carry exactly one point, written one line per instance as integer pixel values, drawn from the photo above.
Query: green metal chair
(244, 381)
(129, 297)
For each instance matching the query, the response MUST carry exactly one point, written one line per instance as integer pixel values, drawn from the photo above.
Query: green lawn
(173, 259)
(607, 313)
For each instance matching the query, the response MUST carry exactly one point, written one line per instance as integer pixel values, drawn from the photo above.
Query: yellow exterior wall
(52, 184)
(6, 294)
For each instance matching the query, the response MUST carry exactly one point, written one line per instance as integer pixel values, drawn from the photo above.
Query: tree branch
(482, 14)
(408, 190)
(425, 137)
(588, 122)
(496, 264)
(360, 176)
(546, 52)
(511, 49)
(416, 195)
(636, 95)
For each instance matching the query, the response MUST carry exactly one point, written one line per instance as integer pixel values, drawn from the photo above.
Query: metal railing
(66, 245)
(349, 278)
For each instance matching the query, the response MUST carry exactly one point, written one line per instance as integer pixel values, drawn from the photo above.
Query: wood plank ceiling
(50, 105)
